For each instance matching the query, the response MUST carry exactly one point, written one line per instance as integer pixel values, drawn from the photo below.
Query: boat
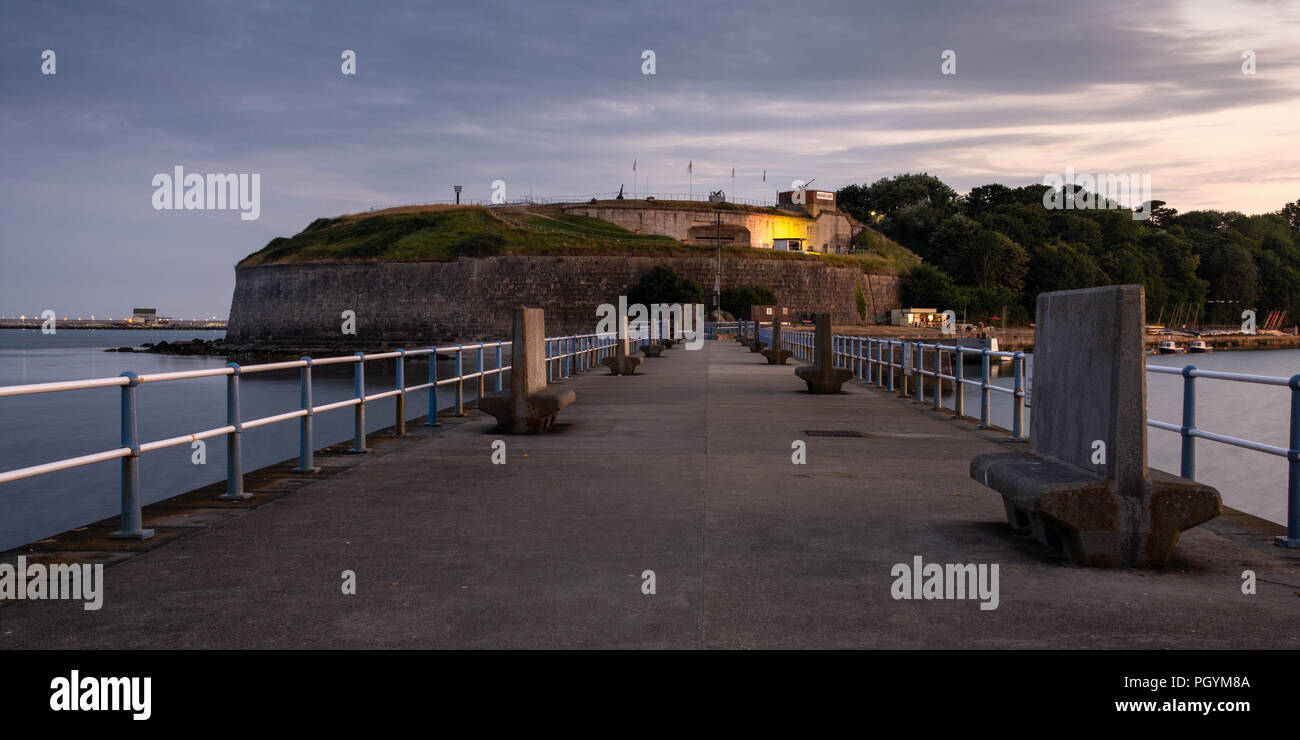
(1199, 347)
(1167, 347)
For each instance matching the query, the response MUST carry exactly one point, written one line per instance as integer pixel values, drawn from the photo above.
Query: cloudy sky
(550, 97)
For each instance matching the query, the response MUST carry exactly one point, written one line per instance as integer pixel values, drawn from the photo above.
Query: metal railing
(893, 364)
(564, 356)
(701, 197)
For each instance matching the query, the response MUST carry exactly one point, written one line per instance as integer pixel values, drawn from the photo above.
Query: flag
(733, 171)
(764, 175)
(634, 164)
(689, 164)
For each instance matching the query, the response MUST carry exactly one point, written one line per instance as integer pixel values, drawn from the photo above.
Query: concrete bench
(1084, 484)
(653, 349)
(623, 361)
(755, 344)
(775, 354)
(822, 376)
(530, 406)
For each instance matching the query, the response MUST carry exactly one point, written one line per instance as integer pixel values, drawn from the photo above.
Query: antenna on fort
(457, 189)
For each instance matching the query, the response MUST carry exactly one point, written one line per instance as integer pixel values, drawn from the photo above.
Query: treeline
(1001, 246)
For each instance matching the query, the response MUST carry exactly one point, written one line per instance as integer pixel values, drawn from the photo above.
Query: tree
(1291, 212)
(860, 301)
(737, 299)
(929, 287)
(662, 285)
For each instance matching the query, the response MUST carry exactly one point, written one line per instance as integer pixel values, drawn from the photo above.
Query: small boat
(1199, 347)
(1167, 347)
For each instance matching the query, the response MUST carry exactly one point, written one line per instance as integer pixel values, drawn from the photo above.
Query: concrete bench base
(756, 346)
(668, 343)
(652, 350)
(540, 410)
(626, 367)
(819, 382)
(1077, 511)
(777, 356)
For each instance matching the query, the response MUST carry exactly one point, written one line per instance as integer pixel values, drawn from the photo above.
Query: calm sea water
(52, 426)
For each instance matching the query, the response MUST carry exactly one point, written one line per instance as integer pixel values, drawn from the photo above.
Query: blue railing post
(891, 366)
(401, 393)
(984, 388)
(460, 381)
(482, 379)
(959, 385)
(1189, 423)
(432, 419)
(1292, 538)
(234, 455)
(567, 363)
(132, 514)
(498, 373)
(359, 411)
(918, 366)
(937, 388)
(306, 445)
(1018, 399)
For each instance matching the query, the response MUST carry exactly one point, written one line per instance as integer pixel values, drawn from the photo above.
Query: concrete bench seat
(1075, 510)
(623, 361)
(775, 354)
(822, 376)
(530, 406)
(1084, 485)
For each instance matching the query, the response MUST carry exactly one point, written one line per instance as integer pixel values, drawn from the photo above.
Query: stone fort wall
(414, 303)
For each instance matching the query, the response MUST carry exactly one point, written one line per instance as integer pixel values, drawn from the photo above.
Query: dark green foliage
(663, 285)
(738, 298)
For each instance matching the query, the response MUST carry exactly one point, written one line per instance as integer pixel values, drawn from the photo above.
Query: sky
(551, 98)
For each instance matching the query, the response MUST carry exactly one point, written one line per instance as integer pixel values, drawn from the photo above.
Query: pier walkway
(684, 469)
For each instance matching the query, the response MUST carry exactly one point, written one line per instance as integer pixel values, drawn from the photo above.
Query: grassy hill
(444, 233)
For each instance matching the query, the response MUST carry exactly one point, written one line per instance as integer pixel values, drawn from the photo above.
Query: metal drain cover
(832, 433)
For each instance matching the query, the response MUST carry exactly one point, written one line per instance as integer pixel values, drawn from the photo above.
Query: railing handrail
(563, 355)
(849, 348)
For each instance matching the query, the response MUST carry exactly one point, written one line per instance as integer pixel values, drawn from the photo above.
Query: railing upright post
(984, 388)
(460, 381)
(234, 455)
(359, 411)
(132, 513)
(1292, 538)
(959, 385)
(891, 366)
(498, 372)
(306, 443)
(1188, 470)
(937, 388)
(432, 419)
(918, 374)
(401, 393)
(1018, 398)
(482, 379)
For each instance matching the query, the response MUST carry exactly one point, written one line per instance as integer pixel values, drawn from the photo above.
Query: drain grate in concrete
(833, 433)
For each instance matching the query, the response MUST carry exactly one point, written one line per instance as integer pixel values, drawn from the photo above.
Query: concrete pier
(686, 473)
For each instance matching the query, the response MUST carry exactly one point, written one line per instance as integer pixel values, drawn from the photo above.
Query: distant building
(920, 317)
(144, 315)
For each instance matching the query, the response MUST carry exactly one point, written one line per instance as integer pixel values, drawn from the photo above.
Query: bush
(662, 285)
(737, 299)
(860, 300)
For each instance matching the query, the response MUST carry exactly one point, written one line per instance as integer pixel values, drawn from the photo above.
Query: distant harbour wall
(299, 305)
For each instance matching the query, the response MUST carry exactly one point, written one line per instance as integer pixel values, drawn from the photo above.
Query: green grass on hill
(446, 234)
